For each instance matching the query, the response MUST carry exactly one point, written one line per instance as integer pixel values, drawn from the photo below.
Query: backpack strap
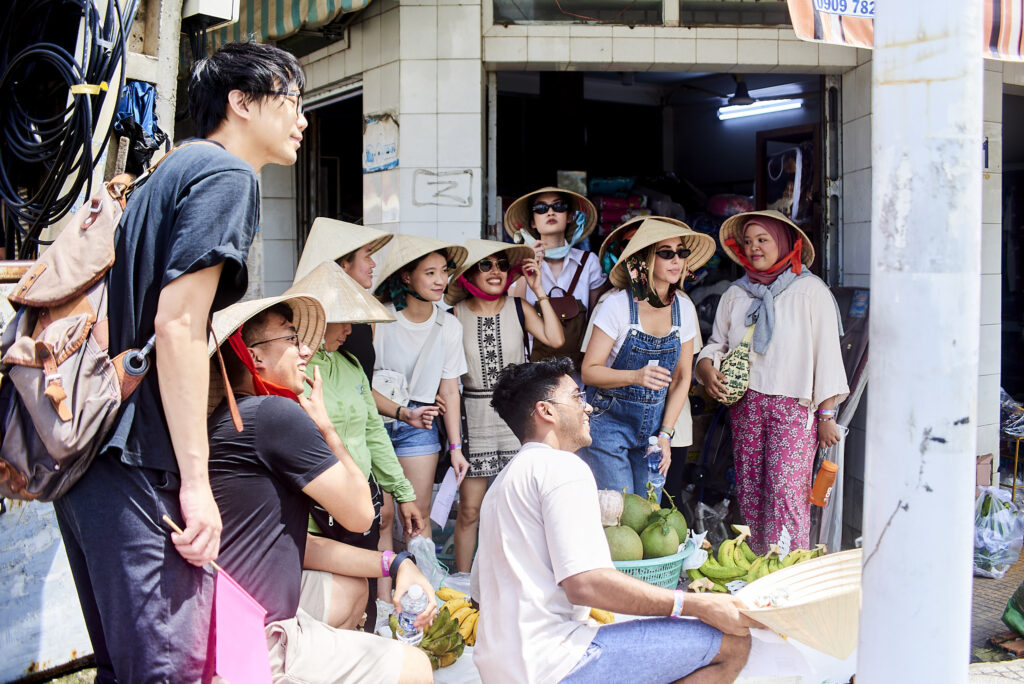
(579, 272)
(229, 393)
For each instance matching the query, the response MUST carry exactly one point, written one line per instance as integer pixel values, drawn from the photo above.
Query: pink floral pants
(773, 450)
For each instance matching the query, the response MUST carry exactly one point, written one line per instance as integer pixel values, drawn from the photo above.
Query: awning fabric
(276, 19)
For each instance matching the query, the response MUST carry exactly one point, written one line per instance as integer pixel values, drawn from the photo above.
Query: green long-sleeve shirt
(351, 409)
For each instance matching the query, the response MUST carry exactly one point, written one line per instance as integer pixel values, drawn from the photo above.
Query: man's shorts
(409, 441)
(682, 646)
(303, 649)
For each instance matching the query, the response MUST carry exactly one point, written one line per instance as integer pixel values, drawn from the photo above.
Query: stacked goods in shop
(613, 211)
(736, 561)
(644, 539)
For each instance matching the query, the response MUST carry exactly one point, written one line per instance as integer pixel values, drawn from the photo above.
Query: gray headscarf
(762, 309)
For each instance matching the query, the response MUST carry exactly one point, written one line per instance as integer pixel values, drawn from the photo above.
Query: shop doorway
(1012, 362)
(329, 171)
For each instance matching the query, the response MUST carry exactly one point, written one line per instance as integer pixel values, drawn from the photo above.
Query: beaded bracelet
(826, 412)
(677, 604)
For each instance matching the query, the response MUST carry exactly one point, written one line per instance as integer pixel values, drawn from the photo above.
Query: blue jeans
(649, 651)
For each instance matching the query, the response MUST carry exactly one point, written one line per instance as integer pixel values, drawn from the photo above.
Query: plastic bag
(1013, 616)
(422, 549)
(1011, 415)
(998, 533)
(711, 520)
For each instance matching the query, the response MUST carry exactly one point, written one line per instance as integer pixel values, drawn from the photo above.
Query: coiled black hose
(49, 50)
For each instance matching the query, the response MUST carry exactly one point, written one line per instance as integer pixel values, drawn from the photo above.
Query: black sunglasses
(558, 206)
(486, 265)
(666, 253)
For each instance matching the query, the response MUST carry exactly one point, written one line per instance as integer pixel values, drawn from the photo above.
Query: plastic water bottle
(656, 479)
(414, 602)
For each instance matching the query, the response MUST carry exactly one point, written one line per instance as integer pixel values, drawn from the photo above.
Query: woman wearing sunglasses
(552, 220)
(494, 327)
(638, 363)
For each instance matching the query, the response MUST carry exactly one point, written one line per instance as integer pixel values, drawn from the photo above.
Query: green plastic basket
(661, 572)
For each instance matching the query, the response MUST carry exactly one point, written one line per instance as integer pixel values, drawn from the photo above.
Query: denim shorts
(409, 441)
(682, 645)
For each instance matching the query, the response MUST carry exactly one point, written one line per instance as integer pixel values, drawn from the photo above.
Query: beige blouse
(804, 359)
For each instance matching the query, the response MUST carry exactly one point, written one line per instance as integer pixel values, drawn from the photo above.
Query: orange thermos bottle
(822, 488)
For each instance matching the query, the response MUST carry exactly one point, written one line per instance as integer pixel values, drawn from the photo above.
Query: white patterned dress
(491, 343)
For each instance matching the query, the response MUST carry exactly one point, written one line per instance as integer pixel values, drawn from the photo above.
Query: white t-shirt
(612, 317)
(591, 278)
(539, 524)
(399, 344)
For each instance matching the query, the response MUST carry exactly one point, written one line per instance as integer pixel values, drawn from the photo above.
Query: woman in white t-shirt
(420, 356)
(638, 363)
(552, 220)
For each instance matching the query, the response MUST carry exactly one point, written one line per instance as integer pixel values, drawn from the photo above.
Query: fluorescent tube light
(758, 108)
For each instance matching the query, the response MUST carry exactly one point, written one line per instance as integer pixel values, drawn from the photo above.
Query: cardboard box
(983, 472)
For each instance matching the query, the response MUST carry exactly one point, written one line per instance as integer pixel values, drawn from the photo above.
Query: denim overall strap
(639, 348)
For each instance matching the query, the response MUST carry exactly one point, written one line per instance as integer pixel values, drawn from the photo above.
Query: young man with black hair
(180, 254)
(543, 562)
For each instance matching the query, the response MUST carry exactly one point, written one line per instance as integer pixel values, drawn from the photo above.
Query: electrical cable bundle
(57, 61)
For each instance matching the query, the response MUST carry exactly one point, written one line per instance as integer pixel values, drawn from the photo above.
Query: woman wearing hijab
(796, 372)
(420, 356)
(638, 363)
(492, 337)
(552, 221)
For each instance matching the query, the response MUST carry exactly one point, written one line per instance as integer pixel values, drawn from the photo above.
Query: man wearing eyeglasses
(180, 253)
(543, 562)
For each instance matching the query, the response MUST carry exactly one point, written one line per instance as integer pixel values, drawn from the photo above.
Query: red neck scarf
(260, 386)
(477, 292)
(790, 245)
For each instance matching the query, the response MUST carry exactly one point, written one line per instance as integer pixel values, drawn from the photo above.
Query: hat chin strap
(260, 386)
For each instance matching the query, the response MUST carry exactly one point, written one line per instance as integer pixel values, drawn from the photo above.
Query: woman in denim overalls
(638, 363)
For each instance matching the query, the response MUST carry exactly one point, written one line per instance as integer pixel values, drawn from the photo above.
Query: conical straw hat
(307, 317)
(618, 235)
(344, 300)
(653, 230)
(519, 212)
(329, 240)
(407, 248)
(733, 228)
(821, 606)
(477, 251)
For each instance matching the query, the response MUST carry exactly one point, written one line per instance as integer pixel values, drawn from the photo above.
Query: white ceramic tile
(993, 96)
(988, 399)
(675, 32)
(371, 91)
(418, 140)
(553, 31)
(716, 51)
(459, 86)
(589, 31)
(857, 247)
(590, 50)
(390, 195)
(675, 51)
(278, 260)
(993, 65)
(1013, 73)
(371, 198)
(857, 144)
(857, 196)
(504, 49)
(717, 33)
(991, 247)
(994, 133)
(798, 53)
(459, 140)
(354, 53)
(991, 299)
(857, 280)
(277, 181)
(316, 75)
(412, 210)
(619, 31)
(421, 228)
(417, 2)
(418, 32)
(757, 52)
(473, 208)
(336, 65)
(418, 83)
(277, 218)
(507, 31)
(547, 49)
(989, 349)
(459, 231)
(390, 87)
(988, 440)
(390, 35)
(371, 42)
(458, 32)
(633, 50)
(992, 197)
(757, 34)
(836, 55)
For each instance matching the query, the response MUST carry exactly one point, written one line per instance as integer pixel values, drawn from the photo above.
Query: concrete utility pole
(925, 286)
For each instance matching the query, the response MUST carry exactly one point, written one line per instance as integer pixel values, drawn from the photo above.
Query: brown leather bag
(573, 315)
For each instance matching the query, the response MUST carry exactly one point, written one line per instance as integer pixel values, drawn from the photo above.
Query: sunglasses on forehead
(558, 206)
(486, 265)
(666, 253)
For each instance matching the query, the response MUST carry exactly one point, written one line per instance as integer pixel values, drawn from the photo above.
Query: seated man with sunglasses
(264, 477)
(544, 562)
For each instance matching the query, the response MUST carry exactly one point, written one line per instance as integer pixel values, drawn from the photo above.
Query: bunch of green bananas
(441, 641)
(735, 560)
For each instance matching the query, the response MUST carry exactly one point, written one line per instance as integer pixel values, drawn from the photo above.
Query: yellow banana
(447, 594)
(719, 588)
(466, 627)
(602, 616)
(754, 569)
(712, 569)
(472, 635)
(739, 560)
(774, 564)
(792, 557)
(725, 558)
(748, 552)
(446, 659)
(454, 605)
(463, 613)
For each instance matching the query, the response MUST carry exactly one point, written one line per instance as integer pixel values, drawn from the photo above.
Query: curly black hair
(521, 386)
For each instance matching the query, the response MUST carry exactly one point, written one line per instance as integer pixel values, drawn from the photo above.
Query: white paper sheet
(445, 498)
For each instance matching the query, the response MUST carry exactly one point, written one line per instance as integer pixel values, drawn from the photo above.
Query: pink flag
(241, 642)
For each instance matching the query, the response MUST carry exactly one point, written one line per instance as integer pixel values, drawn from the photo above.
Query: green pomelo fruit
(659, 539)
(635, 512)
(624, 543)
(674, 518)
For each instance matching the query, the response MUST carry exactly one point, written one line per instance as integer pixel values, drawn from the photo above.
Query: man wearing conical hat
(263, 476)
